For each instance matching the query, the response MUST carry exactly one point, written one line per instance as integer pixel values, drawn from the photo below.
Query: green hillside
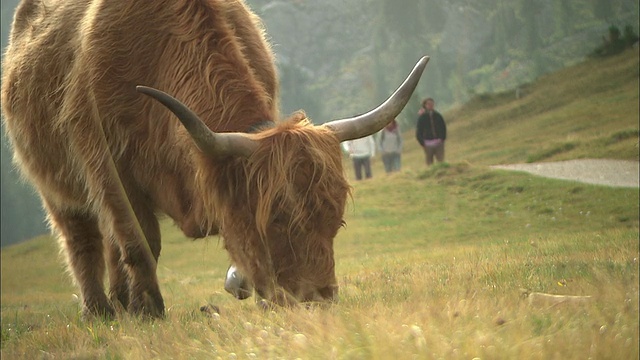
(433, 263)
(586, 111)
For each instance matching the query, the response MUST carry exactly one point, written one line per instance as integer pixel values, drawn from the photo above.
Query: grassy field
(433, 263)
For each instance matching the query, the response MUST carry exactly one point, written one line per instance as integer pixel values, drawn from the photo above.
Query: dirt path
(617, 173)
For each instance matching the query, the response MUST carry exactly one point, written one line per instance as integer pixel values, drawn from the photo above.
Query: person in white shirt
(361, 151)
(390, 144)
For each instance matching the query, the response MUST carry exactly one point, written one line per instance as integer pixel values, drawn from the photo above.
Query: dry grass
(441, 301)
(433, 264)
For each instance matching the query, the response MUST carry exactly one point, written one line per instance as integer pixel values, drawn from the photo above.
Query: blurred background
(340, 58)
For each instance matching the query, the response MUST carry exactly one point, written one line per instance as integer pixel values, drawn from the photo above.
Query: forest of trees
(338, 58)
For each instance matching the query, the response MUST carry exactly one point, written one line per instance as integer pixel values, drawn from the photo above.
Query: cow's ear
(376, 119)
(215, 145)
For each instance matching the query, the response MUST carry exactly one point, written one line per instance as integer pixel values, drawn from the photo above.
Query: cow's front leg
(142, 295)
(130, 283)
(138, 256)
(118, 276)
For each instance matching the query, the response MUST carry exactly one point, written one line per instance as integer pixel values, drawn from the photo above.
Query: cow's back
(74, 65)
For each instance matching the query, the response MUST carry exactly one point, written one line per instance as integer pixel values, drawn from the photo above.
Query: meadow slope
(433, 263)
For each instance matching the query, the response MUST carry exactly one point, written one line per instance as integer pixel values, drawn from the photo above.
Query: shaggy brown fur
(105, 159)
(294, 187)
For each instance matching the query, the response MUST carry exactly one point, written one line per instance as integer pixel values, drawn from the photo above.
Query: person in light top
(361, 151)
(390, 145)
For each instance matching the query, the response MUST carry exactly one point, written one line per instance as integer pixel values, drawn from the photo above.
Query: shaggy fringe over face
(293, 183)
(295, 168)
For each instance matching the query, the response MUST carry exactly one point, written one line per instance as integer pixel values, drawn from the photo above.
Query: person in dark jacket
(431, 132)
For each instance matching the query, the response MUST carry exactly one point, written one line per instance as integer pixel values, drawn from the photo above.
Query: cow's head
(279, 195)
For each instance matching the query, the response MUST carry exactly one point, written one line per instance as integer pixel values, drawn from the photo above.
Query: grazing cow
(106, 160)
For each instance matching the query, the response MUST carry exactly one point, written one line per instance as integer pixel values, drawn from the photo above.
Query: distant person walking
(390, 145)
(423, 107)
(431, 132)
(361, 151)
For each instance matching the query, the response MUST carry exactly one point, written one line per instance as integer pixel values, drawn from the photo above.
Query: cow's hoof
(98, 310)
(147, 305)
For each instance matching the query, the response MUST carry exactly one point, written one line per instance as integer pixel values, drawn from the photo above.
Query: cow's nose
(237, 284)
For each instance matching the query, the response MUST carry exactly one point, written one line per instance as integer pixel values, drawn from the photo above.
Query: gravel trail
(616, 173)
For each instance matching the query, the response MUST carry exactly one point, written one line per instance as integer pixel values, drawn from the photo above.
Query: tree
(603, 9)
(529, 10)
(564, 15)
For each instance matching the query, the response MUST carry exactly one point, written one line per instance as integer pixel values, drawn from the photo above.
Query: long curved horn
(373, 121)
(216, 145)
